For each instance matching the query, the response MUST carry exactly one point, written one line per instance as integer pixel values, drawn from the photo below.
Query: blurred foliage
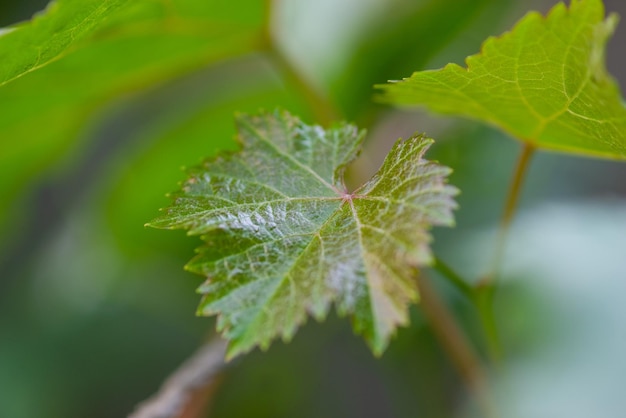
(95, 309)
(79, 56)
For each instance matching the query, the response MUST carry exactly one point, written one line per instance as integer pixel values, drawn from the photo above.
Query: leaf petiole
(455, 279)
(485, 289)
(510, 207)
(457, 345)
(481, 297)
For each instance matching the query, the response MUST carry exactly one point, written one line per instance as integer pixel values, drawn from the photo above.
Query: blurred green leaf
(285, 237)
(28, 47)
(544, 82)
(79, 56)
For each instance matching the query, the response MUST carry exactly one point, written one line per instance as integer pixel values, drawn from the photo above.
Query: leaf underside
(545, 83)
(285, 239)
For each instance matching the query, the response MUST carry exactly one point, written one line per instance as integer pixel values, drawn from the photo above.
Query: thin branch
(456, 344)
(486, 287)
(510, 207)
(456, 280)
(189, 387)
(200, 400)
(323, 108)
(523, 163)
(484, 305)
(481, 298)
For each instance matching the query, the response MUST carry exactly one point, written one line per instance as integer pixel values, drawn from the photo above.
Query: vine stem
(510, 208)
(323, 108)
(456, 344)
(188, 391)
(455, 279)
(480, 300)
(486, 287)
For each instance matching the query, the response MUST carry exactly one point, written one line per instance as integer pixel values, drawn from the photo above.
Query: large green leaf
(284, 236)
(544, 82)
(47, 37)
(58, 70)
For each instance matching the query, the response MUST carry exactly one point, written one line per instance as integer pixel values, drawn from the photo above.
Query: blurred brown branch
(187, 392)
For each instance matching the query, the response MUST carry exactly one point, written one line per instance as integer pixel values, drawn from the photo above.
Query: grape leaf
(285, 238)
(544, 82)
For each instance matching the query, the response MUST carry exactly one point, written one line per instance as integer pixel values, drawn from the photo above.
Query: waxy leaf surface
(544, 82)
(284, 238)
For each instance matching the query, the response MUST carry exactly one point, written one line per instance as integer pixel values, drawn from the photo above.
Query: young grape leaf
(544, 82)
(285, 238)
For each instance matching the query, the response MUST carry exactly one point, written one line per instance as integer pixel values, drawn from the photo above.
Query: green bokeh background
(96, 310)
